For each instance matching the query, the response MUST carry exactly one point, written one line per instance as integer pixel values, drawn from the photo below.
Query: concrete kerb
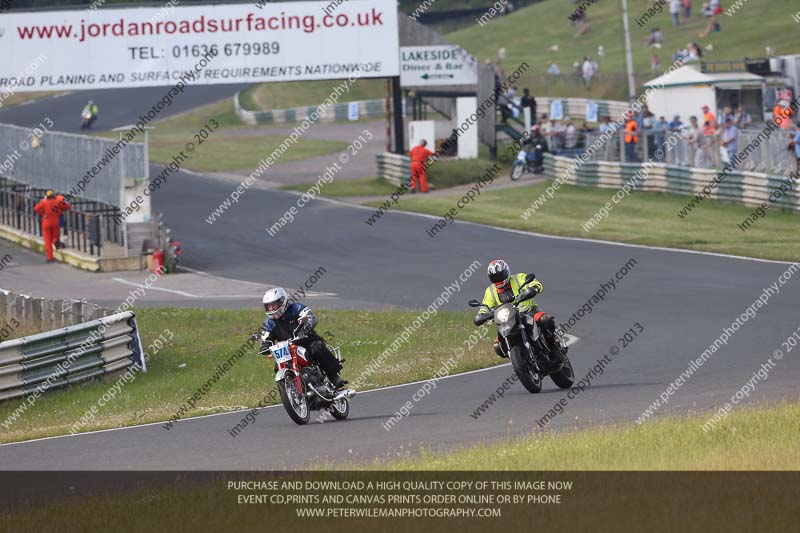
(72, 257)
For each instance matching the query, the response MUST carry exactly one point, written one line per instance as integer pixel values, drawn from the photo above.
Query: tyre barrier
(744, 187)
(394, 168)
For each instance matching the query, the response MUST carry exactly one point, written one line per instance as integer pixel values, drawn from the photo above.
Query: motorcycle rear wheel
(565, 377)
(526, 372)
(517, 171)
(294, 402)
(339, 410)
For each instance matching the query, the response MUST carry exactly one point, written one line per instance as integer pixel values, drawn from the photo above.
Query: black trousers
(319, 352)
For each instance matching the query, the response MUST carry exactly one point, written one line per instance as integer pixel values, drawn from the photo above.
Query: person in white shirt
(589, 69)
(675, 11)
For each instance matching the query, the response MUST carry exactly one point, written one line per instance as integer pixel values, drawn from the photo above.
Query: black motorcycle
(531, 354)
(532, 165)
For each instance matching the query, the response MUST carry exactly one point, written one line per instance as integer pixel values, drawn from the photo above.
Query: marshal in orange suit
(419, 170)
(50, 210)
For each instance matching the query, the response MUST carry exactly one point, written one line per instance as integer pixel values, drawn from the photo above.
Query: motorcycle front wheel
(294, 401)
(525, 371)
(565, 377)
(516, 171)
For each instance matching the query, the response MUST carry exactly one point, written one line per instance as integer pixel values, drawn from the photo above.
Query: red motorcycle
(303, 385)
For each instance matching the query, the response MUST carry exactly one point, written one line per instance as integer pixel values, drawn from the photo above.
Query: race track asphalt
(682, 300)
(118, 107)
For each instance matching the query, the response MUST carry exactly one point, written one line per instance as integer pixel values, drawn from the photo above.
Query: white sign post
(428, 66)
(214, 44)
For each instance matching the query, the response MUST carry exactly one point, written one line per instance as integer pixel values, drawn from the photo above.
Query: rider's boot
(329, 364)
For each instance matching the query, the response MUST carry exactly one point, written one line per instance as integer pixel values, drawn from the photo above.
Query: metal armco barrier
(748, 188)
(394, 168)
(366, 109)
(61, 357)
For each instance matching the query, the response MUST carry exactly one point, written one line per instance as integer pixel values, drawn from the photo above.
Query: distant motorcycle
(530, 356)
(523, 164)
(302, 384)
(86, 119)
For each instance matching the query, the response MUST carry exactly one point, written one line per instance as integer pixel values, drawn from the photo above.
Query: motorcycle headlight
(502, 314)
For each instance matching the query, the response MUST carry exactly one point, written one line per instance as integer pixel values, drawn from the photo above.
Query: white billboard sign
(209, 44)
(426, 66)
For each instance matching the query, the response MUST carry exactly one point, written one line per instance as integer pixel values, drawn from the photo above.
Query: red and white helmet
(499, 272)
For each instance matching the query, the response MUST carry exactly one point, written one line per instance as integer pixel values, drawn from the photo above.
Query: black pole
(397, 104)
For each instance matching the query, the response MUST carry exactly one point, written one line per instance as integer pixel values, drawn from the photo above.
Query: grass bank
(223, 148)
(642, 218)
(204, 339)
(737, 443)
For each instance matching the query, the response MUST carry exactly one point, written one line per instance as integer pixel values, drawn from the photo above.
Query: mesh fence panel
(62, 160)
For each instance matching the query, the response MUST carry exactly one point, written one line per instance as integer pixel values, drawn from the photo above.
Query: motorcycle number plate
(522, 156)
(281, 352)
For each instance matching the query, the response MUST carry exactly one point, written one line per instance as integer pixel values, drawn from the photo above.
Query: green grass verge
(642, 218)
(21, 98)
(736, 443)
(223, 152)
(443, 174)
(358, 187)
(204, 339)
(224, 149)
(270, 96)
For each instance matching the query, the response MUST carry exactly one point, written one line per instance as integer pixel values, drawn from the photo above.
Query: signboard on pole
(428, 66)
(208, 44)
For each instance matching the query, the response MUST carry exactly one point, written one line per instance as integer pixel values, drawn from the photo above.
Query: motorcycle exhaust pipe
(344, 395)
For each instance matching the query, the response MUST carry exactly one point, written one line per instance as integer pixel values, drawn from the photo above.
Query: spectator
(687, 9)
(607, 125)
(420, 156)
(783, 110)
(655, 63)
(694, 52)
(675, 11)
(676, 125)
(570, 137)
(589, 69)
(712, 27)
(529, 102)
(631, 137)
(796, 144)
(583, 134)
(716, 7)
(504, 102)
(709, 122)
(661, 129)
(554, 132)
(647, 125)
(577, 67)
(730, 139)
(693, 137)
(655, 38)
(727, 113)
(553, 69)
(50, 210)
(741, 118)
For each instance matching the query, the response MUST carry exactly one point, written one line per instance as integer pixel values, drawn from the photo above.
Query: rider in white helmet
(285, 318)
